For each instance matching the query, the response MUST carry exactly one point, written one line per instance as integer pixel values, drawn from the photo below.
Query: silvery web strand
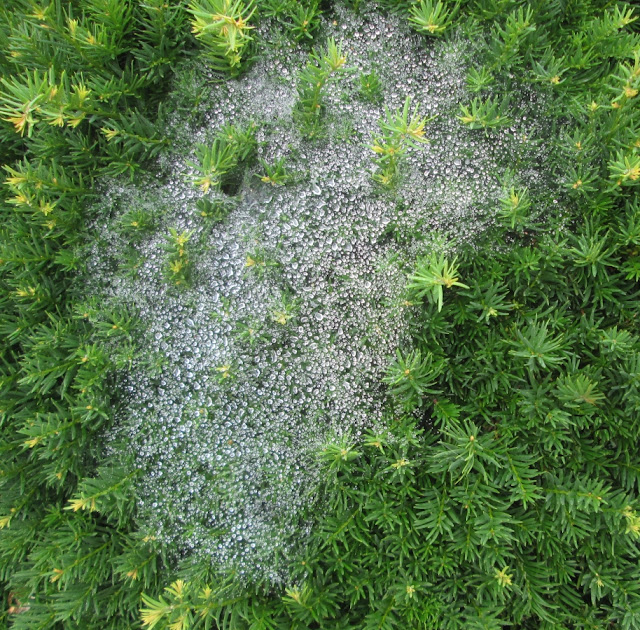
(229, 472)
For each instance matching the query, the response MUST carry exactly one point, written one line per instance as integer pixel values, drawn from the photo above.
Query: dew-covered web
(227, 463)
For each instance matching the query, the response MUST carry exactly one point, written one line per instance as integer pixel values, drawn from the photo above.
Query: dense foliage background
(505, 493)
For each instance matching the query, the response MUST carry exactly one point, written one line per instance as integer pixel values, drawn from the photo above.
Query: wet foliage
(323, 315)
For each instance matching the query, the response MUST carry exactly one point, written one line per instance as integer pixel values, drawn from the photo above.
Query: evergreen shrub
(417, 363)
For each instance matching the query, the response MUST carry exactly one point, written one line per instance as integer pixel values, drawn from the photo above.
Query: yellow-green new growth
(406, 123)
(222, 26)
(433, 274)
(401, 129)
(432, 18)
(503, 577)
